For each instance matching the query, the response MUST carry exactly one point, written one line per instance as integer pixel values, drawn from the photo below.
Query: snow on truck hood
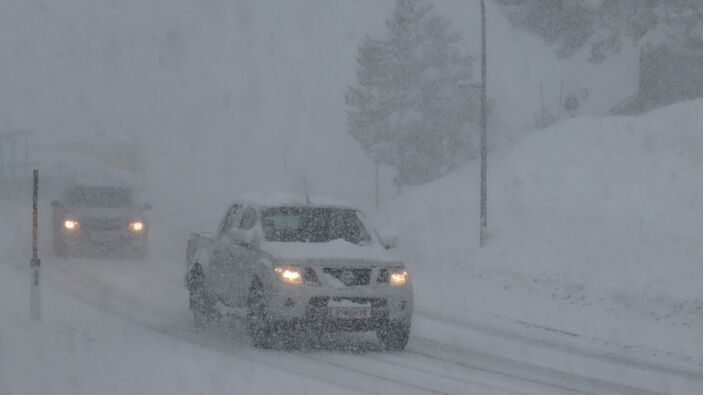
(339, 251)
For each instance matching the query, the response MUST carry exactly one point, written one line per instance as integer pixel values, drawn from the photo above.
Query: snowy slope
(595, 231)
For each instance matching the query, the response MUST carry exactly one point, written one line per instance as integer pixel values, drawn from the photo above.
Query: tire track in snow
(399, 369)
(561, 381)
(103, 296)
(660, 368)
(418, 363)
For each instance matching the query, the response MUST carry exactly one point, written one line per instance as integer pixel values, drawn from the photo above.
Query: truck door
(219, 261)
(240, 258)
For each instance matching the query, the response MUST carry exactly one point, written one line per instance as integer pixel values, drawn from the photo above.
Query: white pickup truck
(292, 266)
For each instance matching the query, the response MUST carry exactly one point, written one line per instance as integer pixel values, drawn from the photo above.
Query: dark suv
(99, 220)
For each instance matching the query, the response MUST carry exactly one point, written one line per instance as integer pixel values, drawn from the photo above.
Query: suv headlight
(398, 277)
(289, 274)
(71, 224)
(137, 226)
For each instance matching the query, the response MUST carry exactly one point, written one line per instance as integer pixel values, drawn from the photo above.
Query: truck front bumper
(103, 241)
(317, 306)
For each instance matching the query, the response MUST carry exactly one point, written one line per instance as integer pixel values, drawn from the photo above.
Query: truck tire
(140, 252)
(394, 335)
(200, 301)
(60, 247)
(258, 326)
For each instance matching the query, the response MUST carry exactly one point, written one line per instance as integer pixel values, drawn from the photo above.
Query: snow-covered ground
(595, 231)
(591, 283)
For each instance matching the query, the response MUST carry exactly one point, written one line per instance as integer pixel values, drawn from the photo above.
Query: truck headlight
(137, 226)
(71, 224)
(289, 274)
(398, 277)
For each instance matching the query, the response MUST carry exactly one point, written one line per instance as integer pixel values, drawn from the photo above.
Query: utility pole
(559, 103)
(376, 186)
(543, 124)
(305, 187)
(35, 296)
(482, 229)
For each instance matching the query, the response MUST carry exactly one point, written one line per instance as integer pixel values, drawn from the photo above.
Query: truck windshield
(93, 197)
(313, 225)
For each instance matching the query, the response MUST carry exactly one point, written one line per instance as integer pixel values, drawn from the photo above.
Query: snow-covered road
(141, 294)
(447, 355)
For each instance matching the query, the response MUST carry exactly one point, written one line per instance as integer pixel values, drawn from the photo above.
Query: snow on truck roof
(284, 199)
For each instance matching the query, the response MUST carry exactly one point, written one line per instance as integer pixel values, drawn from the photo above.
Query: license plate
(350, 312)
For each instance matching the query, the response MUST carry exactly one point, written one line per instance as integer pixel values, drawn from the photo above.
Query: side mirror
(253, 238)
(247, 238)
(147, 206)
(389, 241)
(236, 236)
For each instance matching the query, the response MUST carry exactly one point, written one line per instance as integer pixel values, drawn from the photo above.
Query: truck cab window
(229, 219)
(249, 218)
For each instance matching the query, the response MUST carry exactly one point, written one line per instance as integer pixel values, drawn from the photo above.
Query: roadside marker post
(483, 233)
(35, 263)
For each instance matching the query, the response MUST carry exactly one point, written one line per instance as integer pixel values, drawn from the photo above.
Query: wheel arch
(263, 274)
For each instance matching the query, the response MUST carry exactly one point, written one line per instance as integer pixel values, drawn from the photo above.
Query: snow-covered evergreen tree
(605, 25)
(414, 106)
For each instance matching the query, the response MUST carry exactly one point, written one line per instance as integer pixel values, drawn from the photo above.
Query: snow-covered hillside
(595, 231)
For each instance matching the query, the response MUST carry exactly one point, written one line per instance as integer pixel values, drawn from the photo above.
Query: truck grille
(103, 224)
(350, 276)
(322, 301)
(383, 276)
(310, 277)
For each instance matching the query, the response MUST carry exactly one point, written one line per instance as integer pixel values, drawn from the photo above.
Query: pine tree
(605, 25)
(413, 106)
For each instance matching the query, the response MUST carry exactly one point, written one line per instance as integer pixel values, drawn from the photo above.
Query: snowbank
(595, 229)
